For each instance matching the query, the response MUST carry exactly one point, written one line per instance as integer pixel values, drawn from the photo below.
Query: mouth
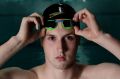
(60, 58)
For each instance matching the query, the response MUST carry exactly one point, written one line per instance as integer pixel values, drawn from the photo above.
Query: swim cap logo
(55, 14)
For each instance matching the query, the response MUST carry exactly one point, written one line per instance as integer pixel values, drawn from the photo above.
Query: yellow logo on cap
(55, 14)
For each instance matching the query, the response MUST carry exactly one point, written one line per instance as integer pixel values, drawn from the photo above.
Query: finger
(78, 31)
(86, 17)
(88, 13)
(90, 22)
(31, 19)
(39, 17)
(76, 17)
(79, 15)
(35, 14)
(36, 22)
(43, 32)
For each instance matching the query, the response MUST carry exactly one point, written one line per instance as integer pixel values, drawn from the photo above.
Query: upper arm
(16, 73)
(107, 71)
(7, 72)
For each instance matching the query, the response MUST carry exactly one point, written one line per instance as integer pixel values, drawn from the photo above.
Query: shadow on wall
(91, 53)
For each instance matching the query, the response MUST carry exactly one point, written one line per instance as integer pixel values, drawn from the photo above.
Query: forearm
(109, 43)
(9, 48)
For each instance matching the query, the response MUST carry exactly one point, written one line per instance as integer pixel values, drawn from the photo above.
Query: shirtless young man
(60, 43)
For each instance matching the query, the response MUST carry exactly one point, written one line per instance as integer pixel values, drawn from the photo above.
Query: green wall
(107, 13)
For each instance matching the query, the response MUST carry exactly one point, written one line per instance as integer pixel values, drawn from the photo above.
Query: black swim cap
(58, 11)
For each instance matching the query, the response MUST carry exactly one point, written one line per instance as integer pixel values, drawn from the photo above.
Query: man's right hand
(26, 34)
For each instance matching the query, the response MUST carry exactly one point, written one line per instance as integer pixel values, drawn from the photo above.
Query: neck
(54, 73)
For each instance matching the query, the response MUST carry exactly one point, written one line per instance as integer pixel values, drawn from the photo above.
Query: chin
(63, 65)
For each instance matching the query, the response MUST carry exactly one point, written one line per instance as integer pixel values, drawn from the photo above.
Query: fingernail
(37, 27)
(73, 18)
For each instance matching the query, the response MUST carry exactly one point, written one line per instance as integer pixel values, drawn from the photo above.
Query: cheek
(71, 45)
(48, 46)
(72, 49)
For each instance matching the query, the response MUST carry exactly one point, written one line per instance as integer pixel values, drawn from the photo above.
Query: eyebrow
(69, 34)
(50, 35)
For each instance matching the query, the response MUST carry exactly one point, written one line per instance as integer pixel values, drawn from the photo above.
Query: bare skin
(60, 58)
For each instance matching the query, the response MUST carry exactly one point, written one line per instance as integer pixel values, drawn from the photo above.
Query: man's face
(60, 47)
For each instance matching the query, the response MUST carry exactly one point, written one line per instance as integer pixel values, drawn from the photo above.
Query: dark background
(107, 13)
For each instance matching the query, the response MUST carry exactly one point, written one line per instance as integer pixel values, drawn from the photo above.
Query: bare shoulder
(108, 67)
(39, 71)
(103, 71)
(15, 73)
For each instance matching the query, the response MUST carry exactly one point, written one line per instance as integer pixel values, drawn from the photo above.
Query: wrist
(18, 41)
(101, 37)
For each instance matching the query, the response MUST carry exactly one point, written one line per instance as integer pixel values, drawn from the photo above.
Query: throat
(60, 73)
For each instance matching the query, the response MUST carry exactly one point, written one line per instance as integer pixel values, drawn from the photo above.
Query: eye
(71, 37)
(52, 38)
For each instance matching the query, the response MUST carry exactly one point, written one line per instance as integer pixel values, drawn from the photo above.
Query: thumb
(78, 31)
(43, 32)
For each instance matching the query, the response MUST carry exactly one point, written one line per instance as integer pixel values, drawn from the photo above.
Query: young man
(60, 40)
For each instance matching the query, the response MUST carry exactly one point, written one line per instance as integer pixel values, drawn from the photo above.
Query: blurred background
(107, 13)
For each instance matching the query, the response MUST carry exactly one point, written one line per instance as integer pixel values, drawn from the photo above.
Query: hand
(91, 32)
(26, 33)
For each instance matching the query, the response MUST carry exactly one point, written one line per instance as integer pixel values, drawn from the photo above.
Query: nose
(62, 47)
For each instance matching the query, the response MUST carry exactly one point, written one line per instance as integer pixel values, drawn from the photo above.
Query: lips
(61, 58)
